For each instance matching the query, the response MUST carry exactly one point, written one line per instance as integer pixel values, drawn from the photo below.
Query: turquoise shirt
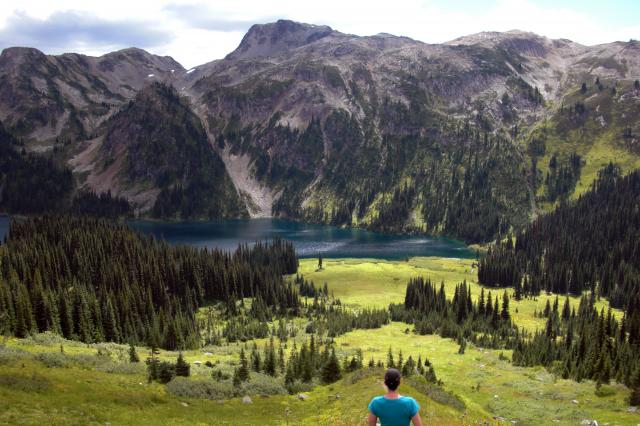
(394, 412)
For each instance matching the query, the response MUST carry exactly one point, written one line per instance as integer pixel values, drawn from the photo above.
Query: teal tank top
(394, 412)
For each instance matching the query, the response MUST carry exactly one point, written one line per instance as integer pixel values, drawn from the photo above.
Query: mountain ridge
(318, 125)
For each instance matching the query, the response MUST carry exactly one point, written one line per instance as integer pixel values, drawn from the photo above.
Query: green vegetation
(166, 146)
(597, 126)
(483, 380)
(37, 184)
(313, 343)
(104, 282)
(30, 183)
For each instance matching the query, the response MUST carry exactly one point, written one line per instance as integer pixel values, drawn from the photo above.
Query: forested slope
(93, 280)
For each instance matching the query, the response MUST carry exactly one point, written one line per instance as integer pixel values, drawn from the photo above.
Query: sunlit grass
(488, 385)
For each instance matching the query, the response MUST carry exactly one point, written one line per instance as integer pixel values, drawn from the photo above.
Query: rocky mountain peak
(18, 55)
(276, 37)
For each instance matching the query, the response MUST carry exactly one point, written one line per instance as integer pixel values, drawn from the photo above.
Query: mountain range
(469, 138)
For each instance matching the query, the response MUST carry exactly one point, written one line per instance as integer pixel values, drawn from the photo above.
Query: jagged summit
(273, 38)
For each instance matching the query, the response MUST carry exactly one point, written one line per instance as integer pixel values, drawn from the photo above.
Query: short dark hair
(392, 379)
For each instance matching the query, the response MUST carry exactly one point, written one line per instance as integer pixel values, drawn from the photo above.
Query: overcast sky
(195, 32)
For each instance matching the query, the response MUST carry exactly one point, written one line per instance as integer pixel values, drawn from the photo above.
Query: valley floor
(95, 384)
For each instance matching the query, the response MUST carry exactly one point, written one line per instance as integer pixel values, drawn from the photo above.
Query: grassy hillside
(600, 124)
(95, 384)
(361, 283)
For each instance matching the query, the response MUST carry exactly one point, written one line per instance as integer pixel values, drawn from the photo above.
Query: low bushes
(208, 389)
(260, 384)
(54, 360)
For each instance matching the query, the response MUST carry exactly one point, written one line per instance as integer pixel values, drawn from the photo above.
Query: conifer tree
(133, 355)
(243, 370)
(331, 369)
(182, 368)
(504, 315)
(236, 378)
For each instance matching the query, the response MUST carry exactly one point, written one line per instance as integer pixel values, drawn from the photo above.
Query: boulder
(247, 400)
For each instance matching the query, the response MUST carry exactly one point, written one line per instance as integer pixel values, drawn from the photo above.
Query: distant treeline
(92, 280)
(36, 184)
(30, 183)
(590, 244)
(100, 205)
(586, 344)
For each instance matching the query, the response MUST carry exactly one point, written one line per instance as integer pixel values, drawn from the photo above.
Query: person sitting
(392, 408)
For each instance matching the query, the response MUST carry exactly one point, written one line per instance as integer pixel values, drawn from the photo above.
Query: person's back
(394, 412)
(393, 409)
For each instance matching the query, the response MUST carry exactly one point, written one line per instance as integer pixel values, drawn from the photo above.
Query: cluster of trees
(396, 210)
(410, 366)
(315, 359)
(586, 344)
(308, 288)
(92, 280)
(88, 203)
(36, 184)
(459, 178)
(590, 244)
(339, 320)
(562, 177)
(459, 193)
(30, 183)
(486, 323)
(163, 371)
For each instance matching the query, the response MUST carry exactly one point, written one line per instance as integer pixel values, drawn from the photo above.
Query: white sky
(197, 32)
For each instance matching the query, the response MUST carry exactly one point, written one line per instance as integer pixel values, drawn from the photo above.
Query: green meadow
(45, 379)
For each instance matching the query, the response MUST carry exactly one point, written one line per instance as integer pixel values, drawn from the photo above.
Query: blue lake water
(310, 240)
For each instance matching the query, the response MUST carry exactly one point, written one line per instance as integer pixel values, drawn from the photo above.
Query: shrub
(261, 384)
(54, 360)
(184, 387)
(122, 368)
(8, 354)
(166, 371)
(298, 386)
(604, 391)
(88, 361)
(48, 338)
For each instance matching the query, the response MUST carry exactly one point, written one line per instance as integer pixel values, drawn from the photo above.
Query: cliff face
(468, 138)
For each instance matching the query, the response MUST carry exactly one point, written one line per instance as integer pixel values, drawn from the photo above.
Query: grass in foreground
(488, 384)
